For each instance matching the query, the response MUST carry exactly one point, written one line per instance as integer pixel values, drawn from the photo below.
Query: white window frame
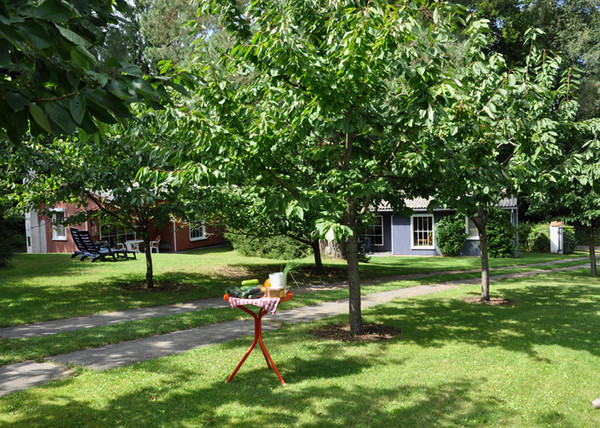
(115, 233)
(470, 236)
(197, 226)
(412, 232)
(55, 226)
(378, 219)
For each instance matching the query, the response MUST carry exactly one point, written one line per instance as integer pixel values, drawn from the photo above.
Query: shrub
(523, 232)
(450, 235)
(501, 235)
(569, 239)
(539, 238)
(272, 247)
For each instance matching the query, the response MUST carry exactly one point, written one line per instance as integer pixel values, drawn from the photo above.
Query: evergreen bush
(523, 232)
(450, 235)
(501, 235)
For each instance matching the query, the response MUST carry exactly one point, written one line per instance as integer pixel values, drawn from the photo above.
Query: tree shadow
(564, 314)
(177, 396)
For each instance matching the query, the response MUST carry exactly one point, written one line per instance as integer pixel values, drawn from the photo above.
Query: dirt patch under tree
(494, 301)
(341, 332)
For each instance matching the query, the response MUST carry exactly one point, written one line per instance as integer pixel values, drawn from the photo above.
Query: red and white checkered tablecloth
(269, 304)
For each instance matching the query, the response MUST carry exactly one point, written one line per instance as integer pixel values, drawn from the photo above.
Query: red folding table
(262, 303)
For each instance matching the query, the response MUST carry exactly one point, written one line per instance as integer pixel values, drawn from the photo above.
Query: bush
(450, 235)
(569, 239)
(523, 232)
(539, 238)
(273, 247)
(501, 235)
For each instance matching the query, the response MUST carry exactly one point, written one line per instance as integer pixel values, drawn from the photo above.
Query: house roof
(421, 204)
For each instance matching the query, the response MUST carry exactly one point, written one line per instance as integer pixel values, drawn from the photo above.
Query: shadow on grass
(320, 395)
(564, 313)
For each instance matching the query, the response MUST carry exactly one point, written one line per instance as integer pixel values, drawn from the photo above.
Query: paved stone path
(22, 376)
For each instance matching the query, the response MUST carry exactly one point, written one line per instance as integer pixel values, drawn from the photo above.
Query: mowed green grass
(531, 364)
(40, 287)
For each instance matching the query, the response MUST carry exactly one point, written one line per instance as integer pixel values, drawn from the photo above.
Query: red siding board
(166, 234)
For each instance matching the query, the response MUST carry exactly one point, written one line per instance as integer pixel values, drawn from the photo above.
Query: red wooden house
(46, 234)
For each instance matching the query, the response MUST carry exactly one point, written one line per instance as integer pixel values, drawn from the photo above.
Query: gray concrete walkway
(22, 376)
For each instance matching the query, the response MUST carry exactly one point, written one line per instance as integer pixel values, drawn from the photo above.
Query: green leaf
(16, 100)
(61, 117)
(5, 48)
(77, 108)
(53, 10)
(37, 36)
(40, 117)
(73, 37)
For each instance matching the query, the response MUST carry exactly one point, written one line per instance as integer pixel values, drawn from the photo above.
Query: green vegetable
(256, 295)
(234, 292)
(249, 291)
(250, 282)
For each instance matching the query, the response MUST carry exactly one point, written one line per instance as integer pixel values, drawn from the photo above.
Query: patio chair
(87, 247)
(154, 244)
(81, 247)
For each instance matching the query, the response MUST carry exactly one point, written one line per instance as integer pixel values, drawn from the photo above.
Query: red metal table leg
(257, 338)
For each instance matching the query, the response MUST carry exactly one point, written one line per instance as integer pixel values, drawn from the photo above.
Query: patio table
(266, 305)
(133, 244)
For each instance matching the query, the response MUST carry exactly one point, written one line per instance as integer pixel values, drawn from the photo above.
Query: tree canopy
(342, 96)
(51, 83)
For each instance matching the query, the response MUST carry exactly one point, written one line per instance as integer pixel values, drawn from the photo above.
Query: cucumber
(233, 292)
(256, 295)
(250, 291)
(250, 282)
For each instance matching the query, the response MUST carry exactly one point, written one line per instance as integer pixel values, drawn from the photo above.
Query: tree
(113, 172)
(51, 82)
(501, 129)
(571, 185)
(570, 28)
(343, 90)
(244, 209)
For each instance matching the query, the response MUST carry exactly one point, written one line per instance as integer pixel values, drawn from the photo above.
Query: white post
(556, 237)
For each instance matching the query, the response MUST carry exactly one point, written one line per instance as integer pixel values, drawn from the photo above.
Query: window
(197, 231)
(115, 235)
(471, 229)
(59, 231)
(374, 233)
(421, 226)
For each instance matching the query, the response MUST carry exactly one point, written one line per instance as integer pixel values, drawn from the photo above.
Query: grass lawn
(40, 287)
(532, 364)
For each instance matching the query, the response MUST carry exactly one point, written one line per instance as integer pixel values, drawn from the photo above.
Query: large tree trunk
(356, 325)
(481, 223)
(592, 244)
(316, 247)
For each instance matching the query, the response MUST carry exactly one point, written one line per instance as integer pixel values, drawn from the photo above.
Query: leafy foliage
(52, 84)
(331, 123)
(501, 235)
(450, 235)
(273, 247)
(110, 179)
(501, 128)
(538, 238)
